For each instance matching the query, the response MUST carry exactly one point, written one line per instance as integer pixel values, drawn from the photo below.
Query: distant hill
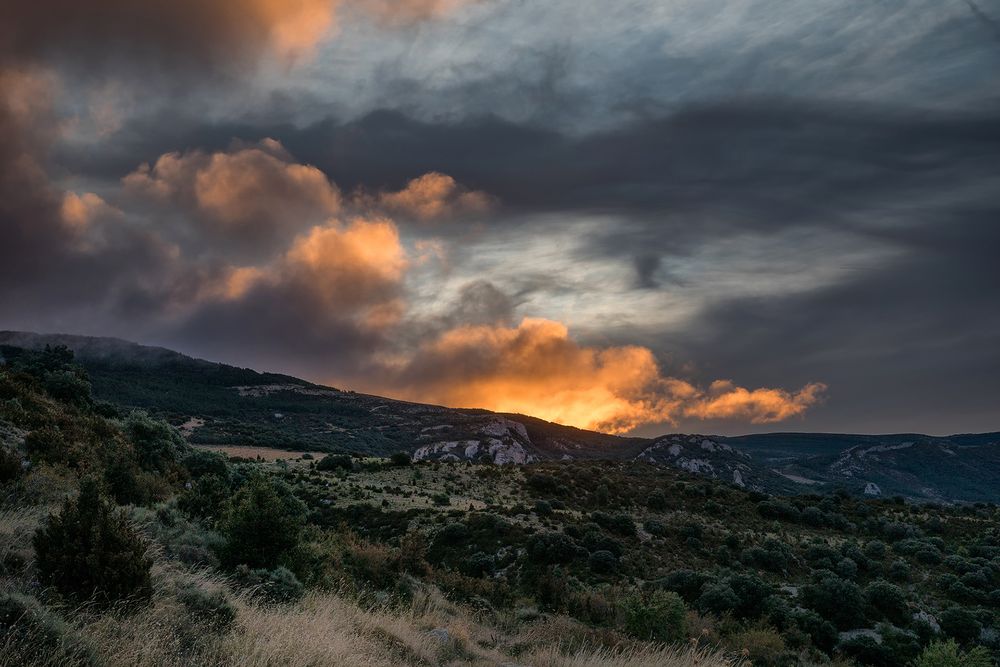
(218, 404)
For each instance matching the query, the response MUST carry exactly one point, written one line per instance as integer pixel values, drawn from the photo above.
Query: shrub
(543, 508)
(596, 540)
(551, 548)
(899, 570)
(277, 585)
(205, 498)
(657, 501)
(902, 645)
(262, 522)
(686, 583)
(157, 443)
(542, 483)
(621, 524)
(847, 568)
(887, 601)
(335, 462)
(866, 650)
(778, 509)
(658, 616)
(68, 385)
(836, 600)
(948, 654)
(201, 462)
(10, 465)
(960, 624)
(876, 550)
(372, 564)
(603, 562)
(654, 527)
(210, 608)
(398, 459)
(752, 592)
(48, 444)
(89, 550)
(761, 645)
(718, 598)
(821, 632)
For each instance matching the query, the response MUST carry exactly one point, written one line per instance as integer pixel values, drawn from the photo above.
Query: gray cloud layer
(764, 211)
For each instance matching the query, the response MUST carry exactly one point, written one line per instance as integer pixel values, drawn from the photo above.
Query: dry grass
(328, 629)
(16, 529)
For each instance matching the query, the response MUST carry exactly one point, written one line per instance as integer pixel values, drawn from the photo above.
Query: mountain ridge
(220, 404)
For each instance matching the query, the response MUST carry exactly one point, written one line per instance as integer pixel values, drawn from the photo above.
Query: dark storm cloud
(770, 161)
(672, 178)
(912, 342)
(156, 35)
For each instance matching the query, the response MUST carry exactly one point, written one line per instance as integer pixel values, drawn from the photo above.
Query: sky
(646, 216)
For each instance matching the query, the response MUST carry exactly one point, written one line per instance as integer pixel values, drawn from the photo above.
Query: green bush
(398, 459)
(835, 599)
(948, 654)
(262, 522)
(201, 462)
(620, 523)
(658, 615)
(543, 508)
(211, 609)
(68, 385)
(888, 601)
(718, 598)
(686, 583)
(866, 650)
(277, 585)
(657, 501)
(821, 632)
(10, 465)
(335, 462)
(551, 548)
(960, 624)
(157, 444)
(48, 444)
(603, 562)
(91, 551)
(205, 498)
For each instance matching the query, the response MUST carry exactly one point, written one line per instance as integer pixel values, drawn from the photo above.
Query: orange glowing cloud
(357, 265)
(432, 196)
(761, 406)
(250, 193)
(536, 368)
(80, 211)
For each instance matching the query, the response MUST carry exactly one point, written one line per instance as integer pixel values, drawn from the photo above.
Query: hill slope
(217, 404)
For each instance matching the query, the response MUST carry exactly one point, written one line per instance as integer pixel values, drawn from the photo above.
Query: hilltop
(220, 405)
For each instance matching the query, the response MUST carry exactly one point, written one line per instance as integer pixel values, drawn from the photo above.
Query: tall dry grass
(326, 629)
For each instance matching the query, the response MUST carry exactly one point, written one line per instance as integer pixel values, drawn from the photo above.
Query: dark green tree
(262, 522)
(91, 551)
(837, 600)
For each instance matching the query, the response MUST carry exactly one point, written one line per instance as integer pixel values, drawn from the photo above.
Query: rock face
(705, 456)
(872, 489)
(500, 440)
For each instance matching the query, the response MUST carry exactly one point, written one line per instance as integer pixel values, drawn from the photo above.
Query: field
(252, 452)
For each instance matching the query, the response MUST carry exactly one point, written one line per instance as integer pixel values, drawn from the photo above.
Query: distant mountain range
(217, 404)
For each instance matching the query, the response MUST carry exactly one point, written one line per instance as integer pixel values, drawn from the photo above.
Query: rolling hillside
(216, 404)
